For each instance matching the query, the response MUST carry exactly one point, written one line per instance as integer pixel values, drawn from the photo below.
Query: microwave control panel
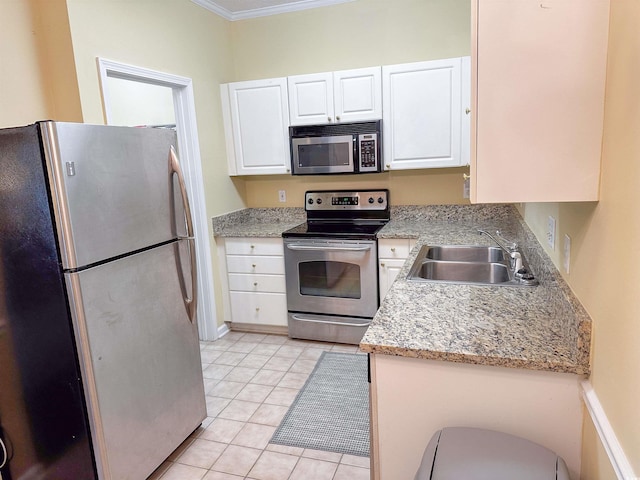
(368, 152)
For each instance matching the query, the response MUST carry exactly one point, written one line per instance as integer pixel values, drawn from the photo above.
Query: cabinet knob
(337, 119)
(255, 284)
(257, 309)
(288, 170)
(467, 111)
(328, 119)
(466, 177)
(382, 264)
(253, 265)
(393, 249)
(387, 166)
(253, 246)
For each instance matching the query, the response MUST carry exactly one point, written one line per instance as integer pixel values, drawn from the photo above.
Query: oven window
(329, 279)
(324, 154)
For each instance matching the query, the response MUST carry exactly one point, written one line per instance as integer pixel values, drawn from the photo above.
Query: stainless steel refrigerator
(100, 373)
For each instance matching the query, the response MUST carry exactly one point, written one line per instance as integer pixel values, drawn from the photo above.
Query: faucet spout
(511, 248)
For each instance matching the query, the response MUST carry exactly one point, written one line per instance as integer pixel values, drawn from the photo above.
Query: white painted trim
(189, 147)
(223, 330)
(266, 11)
(614, 450)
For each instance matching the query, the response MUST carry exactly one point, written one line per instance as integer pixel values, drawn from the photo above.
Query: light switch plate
(551, 232)
(282, 196)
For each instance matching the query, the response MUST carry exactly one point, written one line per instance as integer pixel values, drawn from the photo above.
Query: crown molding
(266, 11)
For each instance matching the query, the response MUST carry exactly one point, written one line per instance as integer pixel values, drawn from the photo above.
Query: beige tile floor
(250, 381)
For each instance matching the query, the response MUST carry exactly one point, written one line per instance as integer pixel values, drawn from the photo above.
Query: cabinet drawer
(257, 283)
(394, 248)
(259, 308)
(254, 246)
(255, 264)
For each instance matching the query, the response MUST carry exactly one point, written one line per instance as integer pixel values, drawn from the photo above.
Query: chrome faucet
(510, 248)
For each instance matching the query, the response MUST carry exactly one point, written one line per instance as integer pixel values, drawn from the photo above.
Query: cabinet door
(539, 99)
(358, 94)
(259, 308)
(257, 126)
(311, 99)
(422, 109)
(388, 270)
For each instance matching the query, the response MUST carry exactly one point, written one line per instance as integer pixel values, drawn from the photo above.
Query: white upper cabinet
(344, 96)
(256, 119)
(538, 99)
(423, 114)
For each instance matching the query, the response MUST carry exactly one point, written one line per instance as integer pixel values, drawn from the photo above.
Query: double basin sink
(468, 264)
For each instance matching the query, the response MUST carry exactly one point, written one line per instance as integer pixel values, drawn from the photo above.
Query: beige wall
(606, 247)
(37, 76)
(356, 34)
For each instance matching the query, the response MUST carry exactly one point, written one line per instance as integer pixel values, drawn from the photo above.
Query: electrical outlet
(567, 253)
(282, 196)
(551, 232)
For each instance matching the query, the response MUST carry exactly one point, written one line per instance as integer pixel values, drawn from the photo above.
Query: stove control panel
(347, 200)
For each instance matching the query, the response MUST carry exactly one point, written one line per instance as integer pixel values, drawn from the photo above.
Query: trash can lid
(479, 454)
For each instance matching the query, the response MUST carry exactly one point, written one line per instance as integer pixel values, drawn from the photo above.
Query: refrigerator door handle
(5, 456)
(190, 303)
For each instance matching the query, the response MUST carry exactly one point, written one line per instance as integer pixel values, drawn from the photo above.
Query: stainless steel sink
(465, 253)
(467, 264)
(469, 272)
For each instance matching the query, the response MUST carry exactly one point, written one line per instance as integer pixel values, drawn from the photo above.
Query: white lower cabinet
(392, 253)
(254, 286)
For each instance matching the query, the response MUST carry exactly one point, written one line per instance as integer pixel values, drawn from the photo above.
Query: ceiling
(243, 9)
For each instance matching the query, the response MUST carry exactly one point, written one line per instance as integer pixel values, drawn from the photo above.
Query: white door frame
(188, 145)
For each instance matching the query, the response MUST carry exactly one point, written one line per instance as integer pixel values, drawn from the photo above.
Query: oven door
(336, 277)
(316, 155)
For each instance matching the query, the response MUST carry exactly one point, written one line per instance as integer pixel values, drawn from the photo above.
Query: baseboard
(614, 450)
(223, 330)
(259, 328)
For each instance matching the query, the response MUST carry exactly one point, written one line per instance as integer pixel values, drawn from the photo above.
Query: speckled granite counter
(538, 328)
(257, 222)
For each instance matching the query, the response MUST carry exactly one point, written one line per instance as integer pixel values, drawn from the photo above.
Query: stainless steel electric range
(331, 265)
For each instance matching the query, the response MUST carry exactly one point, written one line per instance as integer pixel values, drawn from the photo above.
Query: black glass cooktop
(355, 230)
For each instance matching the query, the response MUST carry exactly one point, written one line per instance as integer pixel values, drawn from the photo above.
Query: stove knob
(310, 201)
(380, 200)
(319, 201)
(370, 199)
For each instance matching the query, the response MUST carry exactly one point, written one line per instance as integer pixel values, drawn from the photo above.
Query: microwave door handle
(363, 248)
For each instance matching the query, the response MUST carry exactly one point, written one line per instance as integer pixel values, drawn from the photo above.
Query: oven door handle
(313, 320)
(363, 248)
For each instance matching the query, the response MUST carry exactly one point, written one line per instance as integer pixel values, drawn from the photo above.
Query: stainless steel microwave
(336, 148)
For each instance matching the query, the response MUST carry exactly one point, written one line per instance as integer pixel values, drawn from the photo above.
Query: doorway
(136, 96)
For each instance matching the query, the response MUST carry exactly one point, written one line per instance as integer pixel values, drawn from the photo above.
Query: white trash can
(462, 453)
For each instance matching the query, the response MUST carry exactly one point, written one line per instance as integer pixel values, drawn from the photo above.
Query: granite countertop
(538, 328)
(257, 222)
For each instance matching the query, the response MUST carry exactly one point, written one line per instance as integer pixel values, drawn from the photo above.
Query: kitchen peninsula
(499, 357)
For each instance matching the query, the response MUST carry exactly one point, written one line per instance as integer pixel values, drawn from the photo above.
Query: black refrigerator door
(42, 414)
